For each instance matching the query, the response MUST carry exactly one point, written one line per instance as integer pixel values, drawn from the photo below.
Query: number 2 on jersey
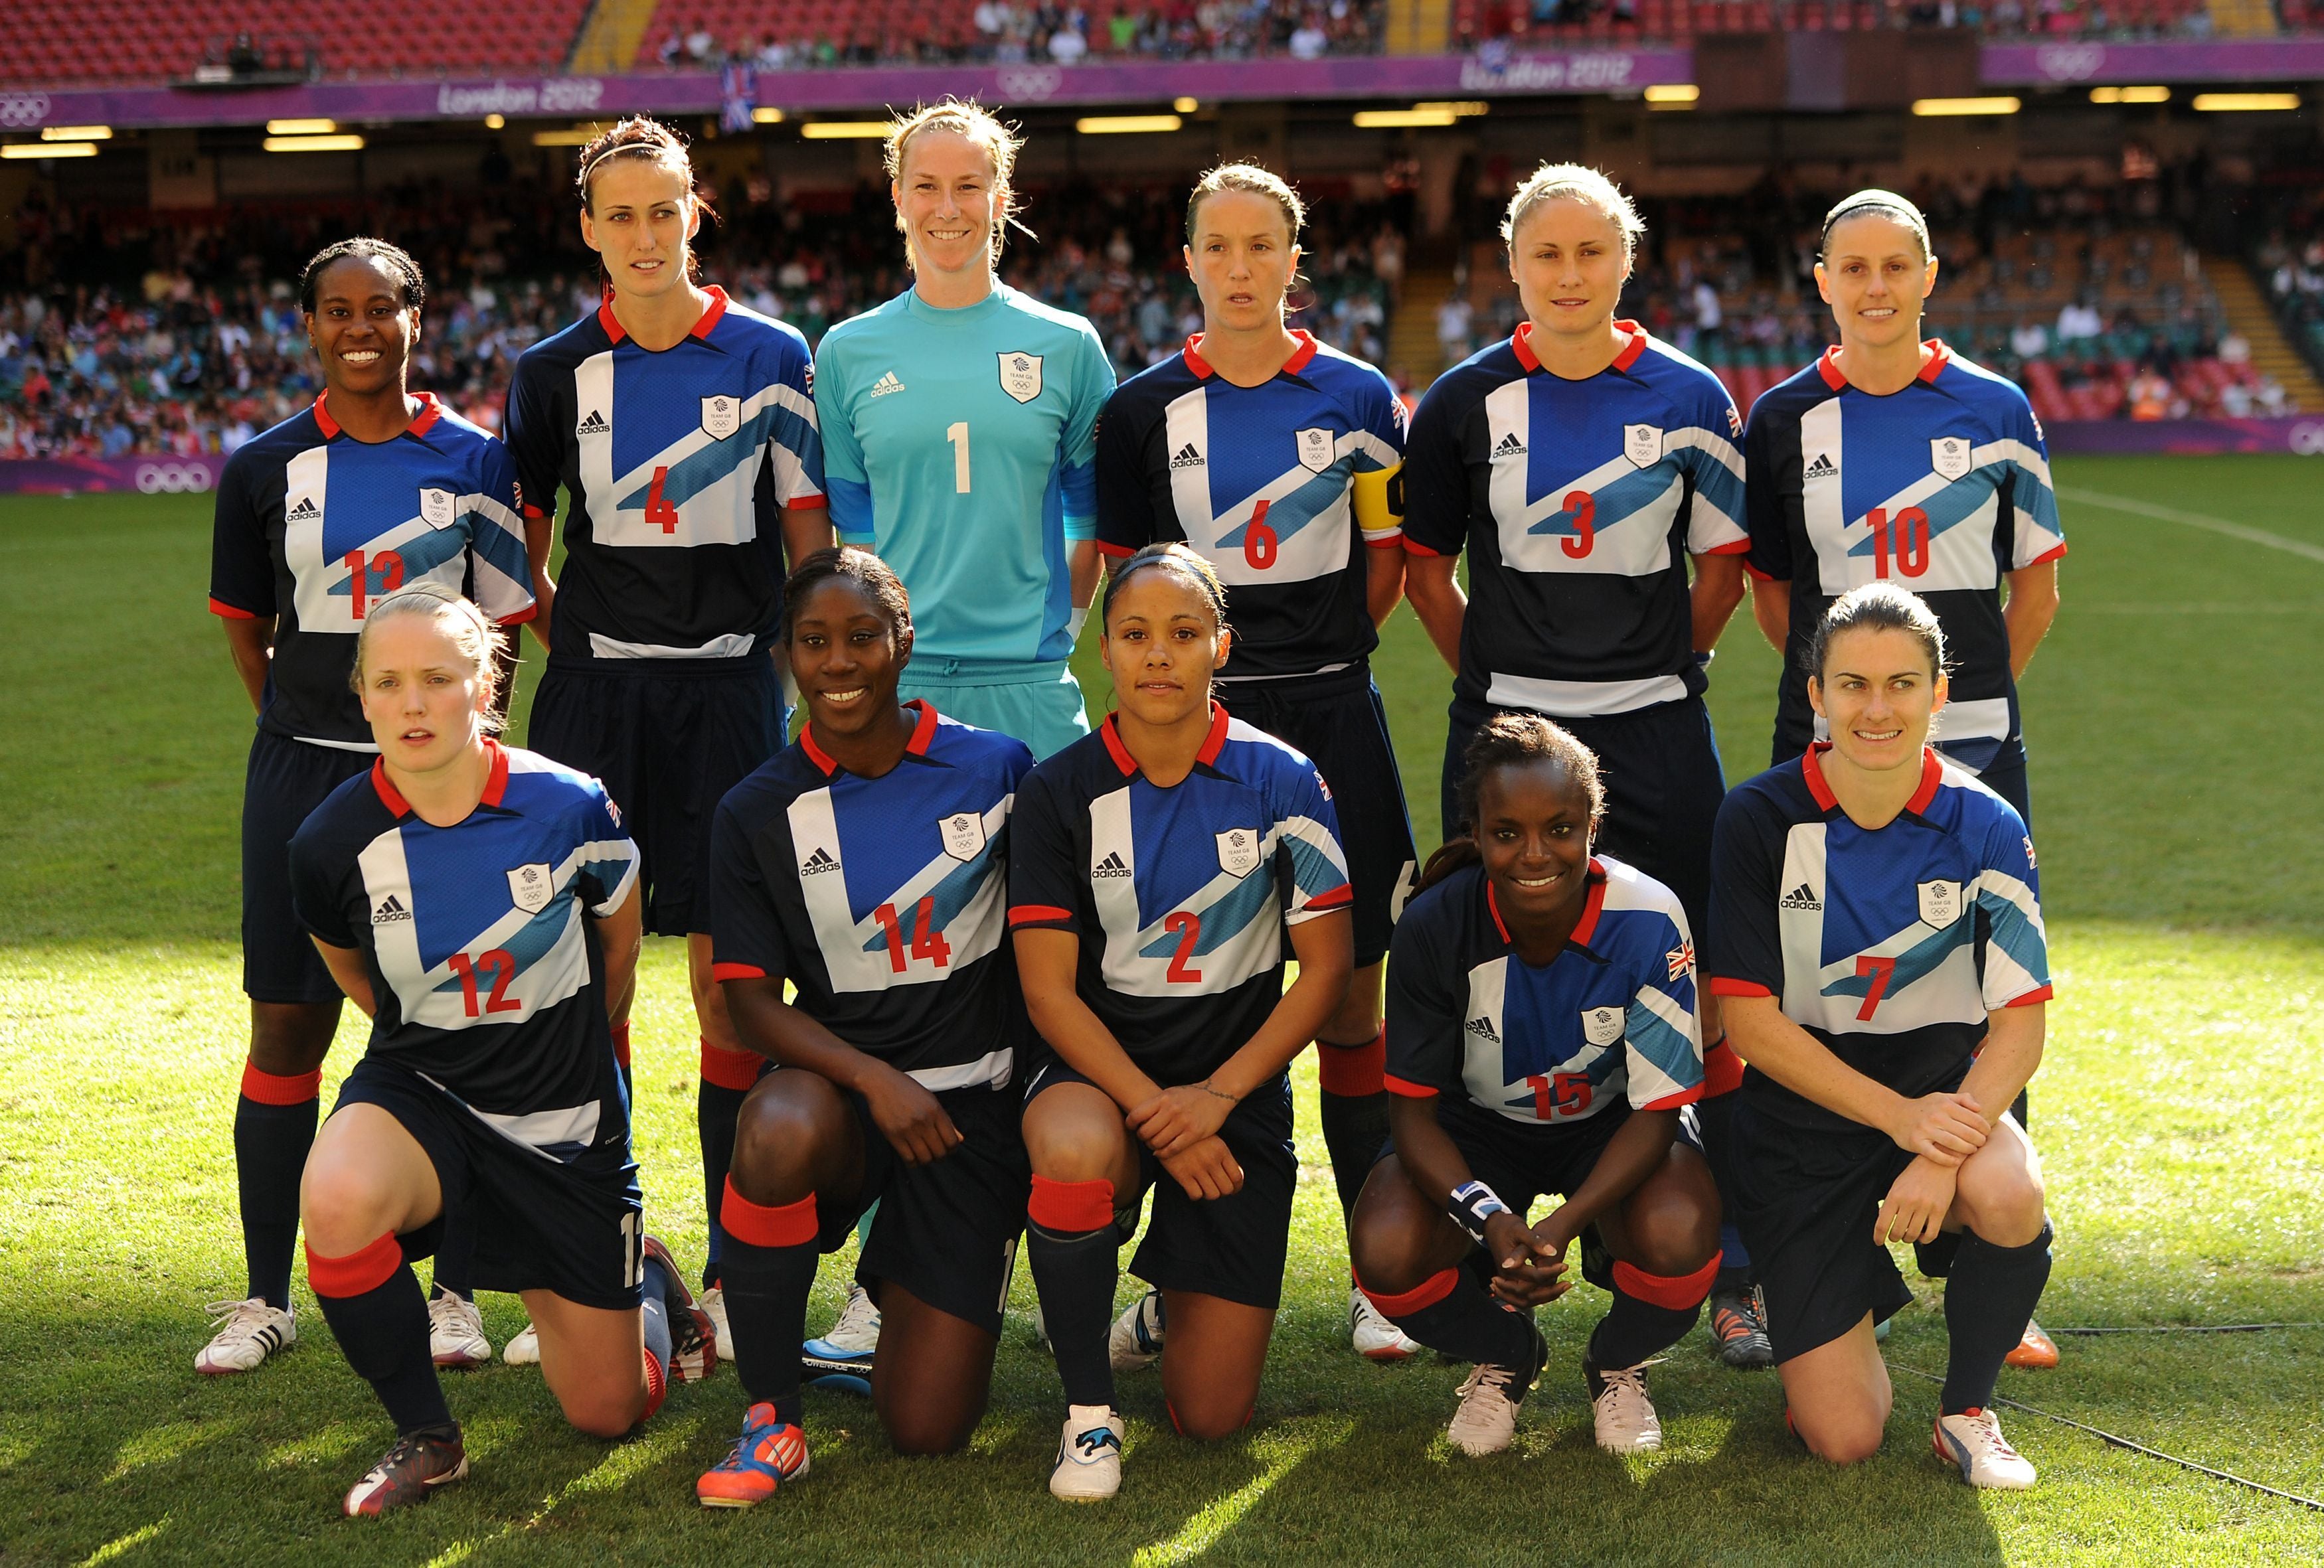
(1187, 926)
(927, 942)
(957, 434)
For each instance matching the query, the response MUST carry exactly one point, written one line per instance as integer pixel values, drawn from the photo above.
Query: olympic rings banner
(148, 475)
(2300, 434)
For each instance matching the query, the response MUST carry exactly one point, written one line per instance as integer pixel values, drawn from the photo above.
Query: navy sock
(716, 1108)
(455, 1253)
(1453, 1313)
(1355, 1128)
(1074, 1275)
(372, 1300)
(272, 1132)
(767, 1269)
(1651, 1313)
(654, 1303)
(1989, 1300)
(1713, 1119)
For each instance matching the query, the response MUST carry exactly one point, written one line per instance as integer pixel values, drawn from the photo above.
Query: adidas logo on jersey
(1482, 1028)
(821, 861)
(1189, 457)
(1111, 866)
(886, 384)
(1511, 447)
(1823, 467)
(391, 909)
(305, 511)
(593, 424)
(1801, 897)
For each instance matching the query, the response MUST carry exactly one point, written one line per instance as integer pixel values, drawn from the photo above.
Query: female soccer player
(480, 904)
(681, 429)
(1275, 457)
(1154, 868)
(1542, 1038)
(1581, 463)
(372, 490)
(1877, 932)
(866, 864)
(1892, 459)
(959, 422)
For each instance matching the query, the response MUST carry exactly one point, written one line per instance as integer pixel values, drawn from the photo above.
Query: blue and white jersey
(1180, 896)
(313, 527)
(1262, 481)
(884, 900)
(1890, 946)
(1579, 503)
(1942, 488)
(1610, 1020)
(679, 465)
(489, 984)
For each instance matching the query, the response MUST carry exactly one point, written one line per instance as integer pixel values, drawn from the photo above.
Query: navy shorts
(1232, 1248)
(667, 743)
(947, 1232)
(1339, 722)
(1804, 1200)
(1660, 767)
(286, 781)
(541, 1224)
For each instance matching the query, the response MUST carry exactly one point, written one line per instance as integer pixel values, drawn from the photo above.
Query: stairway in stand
(2244, 18)
(1412, 345)
(1423, 26)
(2248, 312)
(609, 37)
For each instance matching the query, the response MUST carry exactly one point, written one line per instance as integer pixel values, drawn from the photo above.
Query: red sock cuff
(657, 1387)
(1722, 1069)
(729, 1069)
(358, 1273)
(1426, 1294)
(1353, 1071)
(622, 1042)
(761, 1225)
(1070, 1208)
(280, 1088)
(1676, 1292)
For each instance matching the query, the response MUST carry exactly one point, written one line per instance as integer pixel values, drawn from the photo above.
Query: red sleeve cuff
(220, 607)
(2046, 557)
(1412, 547)
(806, 502)
(533, 513)
(1720, 985)
(2039, 993)
(736, 972)
(1406, 1087)
(1119, 552)
(1393, 541)
(1722, 1070)
(1037, 914)
(1673, 1101)
(1732, 547)
(529, 612)
(1339, 897)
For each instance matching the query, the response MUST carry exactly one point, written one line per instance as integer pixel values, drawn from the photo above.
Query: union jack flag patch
(1680, 959)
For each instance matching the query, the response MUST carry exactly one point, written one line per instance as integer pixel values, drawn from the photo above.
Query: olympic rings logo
(23, 109)
(2070, 62)
(172, 478)
(1018, 83)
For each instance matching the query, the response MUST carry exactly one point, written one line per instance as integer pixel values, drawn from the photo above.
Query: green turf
(2175, 772)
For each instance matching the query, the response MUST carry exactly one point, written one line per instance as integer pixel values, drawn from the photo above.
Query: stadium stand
(1569, 22)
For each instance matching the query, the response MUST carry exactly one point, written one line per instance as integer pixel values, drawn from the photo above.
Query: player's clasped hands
(1206, 1168)
(911, 1117)
(1943, 1129)
(1179, 1117)
(1917, 1203)
(1529, 1261)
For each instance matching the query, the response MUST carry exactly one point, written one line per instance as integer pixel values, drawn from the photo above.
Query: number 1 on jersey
(957, 434)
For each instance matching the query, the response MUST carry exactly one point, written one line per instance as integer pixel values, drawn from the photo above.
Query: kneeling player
(480, 904)
(1877, 932)
(867, 863)
(1541, 1039)
(1155, 868)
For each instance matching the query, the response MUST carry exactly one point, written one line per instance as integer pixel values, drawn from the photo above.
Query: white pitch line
(2241, 530)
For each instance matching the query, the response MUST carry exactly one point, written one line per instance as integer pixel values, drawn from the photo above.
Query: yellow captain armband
(1379, 504)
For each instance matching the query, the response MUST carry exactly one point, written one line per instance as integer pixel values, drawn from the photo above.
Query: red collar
(495, 781)
(1933, 772)
(1292, 366)
(1583, 929)
(717, 308)
(1212, 744)
(1634, 343)
(1829, 366)
(430, 410)
(923, 730)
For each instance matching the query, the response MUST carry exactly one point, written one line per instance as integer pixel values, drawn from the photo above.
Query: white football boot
(1377, 1339)
(1136, 1339)
(1089, 1455)
(856, 1335)
(525, 1350)
(1972, 1441)
(1619, 1406)
(248, 1332)
(712, 1301)
(456, 1332)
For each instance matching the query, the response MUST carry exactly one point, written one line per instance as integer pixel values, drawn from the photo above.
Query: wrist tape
(1471, 1205)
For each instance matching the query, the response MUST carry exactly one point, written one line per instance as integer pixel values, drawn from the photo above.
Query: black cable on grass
(2112, 1441)
(2185, 1328)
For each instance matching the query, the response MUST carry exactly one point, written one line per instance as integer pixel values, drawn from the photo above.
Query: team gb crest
(964, 834)
(437, 507)
(1949, 456)
(722, 416)
(1238, 851)
(1642, 444)
(1315, 450)
(530, 887)
(1020, 375)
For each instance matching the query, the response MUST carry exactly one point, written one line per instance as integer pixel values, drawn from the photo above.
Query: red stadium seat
(133, 40)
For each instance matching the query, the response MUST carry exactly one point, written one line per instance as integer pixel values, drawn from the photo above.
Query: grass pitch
(2176, 767)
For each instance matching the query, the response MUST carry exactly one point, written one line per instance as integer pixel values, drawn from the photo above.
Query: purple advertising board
(76, 475)
(2069, 61)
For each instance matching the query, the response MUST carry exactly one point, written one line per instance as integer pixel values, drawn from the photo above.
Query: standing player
(1892, 459)
(1154, 869)
(480, 904)
(372, 490)
(1878, 935)
(1276, 457)
(866, 864)
(1541, 1040)
(1581, 463)
(681, 427)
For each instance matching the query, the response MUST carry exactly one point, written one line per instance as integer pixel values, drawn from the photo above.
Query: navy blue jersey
(1261, 481)
(1890, 946)
(679, 465)
(1941, 488)
(884, 900)
(1181, 896)
(1579, 503)
(487, 983)
(1611, 1019)
(314, 526)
